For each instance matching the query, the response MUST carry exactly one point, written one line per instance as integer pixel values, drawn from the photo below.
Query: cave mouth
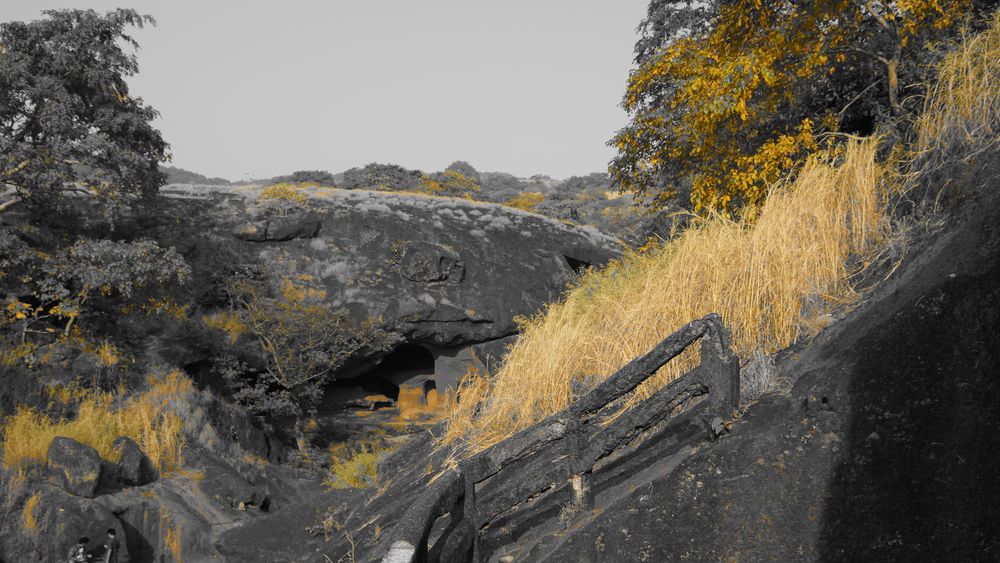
(578, 266)
(406, 363)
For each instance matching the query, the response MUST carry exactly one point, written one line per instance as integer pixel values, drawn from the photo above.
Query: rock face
(446, 273)
(134, 467)
(74, 467)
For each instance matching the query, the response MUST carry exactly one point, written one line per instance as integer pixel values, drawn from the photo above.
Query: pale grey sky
(252, 88)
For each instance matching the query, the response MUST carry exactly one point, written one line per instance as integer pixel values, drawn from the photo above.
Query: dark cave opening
(406, 363)
(577, 266)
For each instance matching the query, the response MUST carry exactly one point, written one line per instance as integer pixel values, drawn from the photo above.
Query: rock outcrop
(446, 273)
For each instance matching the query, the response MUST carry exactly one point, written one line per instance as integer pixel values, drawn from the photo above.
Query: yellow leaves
(748, 177)
(284, 192)
(525, 201)
(295, 293)
(227, 322)
(107, 355)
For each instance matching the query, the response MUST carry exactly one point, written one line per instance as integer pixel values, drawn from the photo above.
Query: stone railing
(566, 446)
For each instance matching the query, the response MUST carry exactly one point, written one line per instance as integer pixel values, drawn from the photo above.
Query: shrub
(283, 197)
(354, 469)
(526, 201)
(301, 338)
(315, 177)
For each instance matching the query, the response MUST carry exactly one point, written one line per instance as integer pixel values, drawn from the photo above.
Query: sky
(255, 89)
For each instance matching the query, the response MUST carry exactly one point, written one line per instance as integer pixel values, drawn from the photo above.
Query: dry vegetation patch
(763, 275)
(151, 418)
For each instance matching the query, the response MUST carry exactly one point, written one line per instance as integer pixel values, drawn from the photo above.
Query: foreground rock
(75, 467)
(134, 467)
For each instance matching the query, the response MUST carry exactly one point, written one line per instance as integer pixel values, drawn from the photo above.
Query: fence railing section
(566, 446)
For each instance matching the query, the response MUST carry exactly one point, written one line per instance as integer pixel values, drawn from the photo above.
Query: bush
(297, 337)
(389, 177)
(526, 201)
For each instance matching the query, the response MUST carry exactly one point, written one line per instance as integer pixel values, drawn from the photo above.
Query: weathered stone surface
(445, 273)
(133, 465)
(279, 229)
(74, 466)
(428, 262)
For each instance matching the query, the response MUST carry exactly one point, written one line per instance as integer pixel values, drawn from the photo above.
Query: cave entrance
(406, 368)
(578, 266)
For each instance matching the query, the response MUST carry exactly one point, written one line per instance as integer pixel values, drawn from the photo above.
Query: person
(111, 547)
(78, 553)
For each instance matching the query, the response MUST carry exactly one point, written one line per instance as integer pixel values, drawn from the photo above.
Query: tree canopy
(732, 94)
(67, 119)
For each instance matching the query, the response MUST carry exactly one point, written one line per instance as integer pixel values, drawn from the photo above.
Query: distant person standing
(78, 553)
(111, 547)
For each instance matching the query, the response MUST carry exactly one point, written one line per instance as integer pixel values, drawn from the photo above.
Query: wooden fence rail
(565, 446)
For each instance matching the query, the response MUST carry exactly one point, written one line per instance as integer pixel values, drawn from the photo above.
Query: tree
(301, 338)
(465, 169)
(67, 119)
(50, 291)
(733, 94)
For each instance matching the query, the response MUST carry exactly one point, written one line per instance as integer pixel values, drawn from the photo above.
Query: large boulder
(74, 466)
(133, 466)
(446, 273)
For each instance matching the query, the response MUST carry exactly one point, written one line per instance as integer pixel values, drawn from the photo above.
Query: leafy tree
(302, 339)
(465, 169)
(67, 119)
(44, 294)
(732, 94)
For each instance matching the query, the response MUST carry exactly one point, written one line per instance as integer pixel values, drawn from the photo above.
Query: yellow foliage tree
(732, 95)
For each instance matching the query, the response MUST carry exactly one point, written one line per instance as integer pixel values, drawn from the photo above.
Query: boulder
(74, 466)
(134, 466)
(445, 273)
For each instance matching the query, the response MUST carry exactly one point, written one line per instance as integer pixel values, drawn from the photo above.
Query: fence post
(469, 508)
(720, 366)
(579, 473)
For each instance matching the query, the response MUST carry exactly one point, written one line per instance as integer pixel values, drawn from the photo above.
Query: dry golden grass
(28, 518)
(149, 419)
(763, 276)
(961, 115)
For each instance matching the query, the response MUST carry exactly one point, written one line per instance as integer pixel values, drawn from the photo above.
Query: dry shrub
(525, 201)
(150, 418)
(354, 468)
(762, 276)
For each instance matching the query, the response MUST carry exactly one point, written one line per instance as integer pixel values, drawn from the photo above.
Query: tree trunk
(300, 435)
(893, 76)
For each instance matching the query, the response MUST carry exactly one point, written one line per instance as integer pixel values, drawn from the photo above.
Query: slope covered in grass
(773, 277)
